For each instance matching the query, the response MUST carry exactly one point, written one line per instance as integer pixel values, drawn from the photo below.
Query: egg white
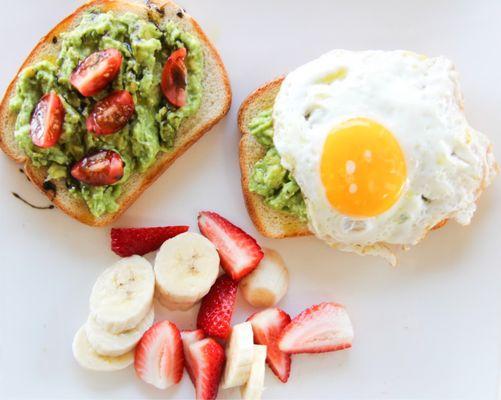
(416, 98)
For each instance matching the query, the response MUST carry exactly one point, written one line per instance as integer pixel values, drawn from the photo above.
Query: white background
(425, 330)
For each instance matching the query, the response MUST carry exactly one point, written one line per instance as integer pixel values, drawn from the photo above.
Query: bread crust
(269, 222)
(190, 132)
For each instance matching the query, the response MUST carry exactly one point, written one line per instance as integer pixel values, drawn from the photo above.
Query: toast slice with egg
(215, 104)
(270, 222)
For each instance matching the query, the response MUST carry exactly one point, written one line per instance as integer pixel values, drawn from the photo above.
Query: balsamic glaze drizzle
(49, 186)
(17, 196)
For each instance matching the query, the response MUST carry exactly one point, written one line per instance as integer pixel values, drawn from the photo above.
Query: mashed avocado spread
(269, 178)
(145, 47)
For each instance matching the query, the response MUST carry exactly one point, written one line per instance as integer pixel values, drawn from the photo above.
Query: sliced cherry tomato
(96, 71)
(105, 167)
(47, 121)
(111, 114)
(174, 78)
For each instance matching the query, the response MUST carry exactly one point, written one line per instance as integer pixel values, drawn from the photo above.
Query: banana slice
(239, 356)
(116, 344)
(267, 284)
(186, 267)
(254, 387)
(123, 294)
(165, 301)
(89, 359)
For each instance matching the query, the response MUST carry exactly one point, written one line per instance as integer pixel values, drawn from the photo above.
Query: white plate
(426, 330)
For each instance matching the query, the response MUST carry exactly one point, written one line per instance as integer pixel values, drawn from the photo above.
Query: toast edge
(251, 199)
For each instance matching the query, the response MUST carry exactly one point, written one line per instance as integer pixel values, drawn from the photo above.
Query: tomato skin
(174, 78)
(111, 114)
(47, 120)
(96, 71)
(105, 167)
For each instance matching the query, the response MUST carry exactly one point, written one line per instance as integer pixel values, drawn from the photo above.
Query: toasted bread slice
(216, 102)
(270, 222)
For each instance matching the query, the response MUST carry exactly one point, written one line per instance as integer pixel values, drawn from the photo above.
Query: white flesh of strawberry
(227, 244)
(188, 338)
(159, 358)
(334, 329)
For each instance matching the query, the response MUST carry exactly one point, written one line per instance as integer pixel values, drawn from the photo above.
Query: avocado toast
(159, 131)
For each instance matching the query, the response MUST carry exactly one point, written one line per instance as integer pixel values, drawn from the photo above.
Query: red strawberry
(129, 241)
(214, 315)
(207, 358)
(188, 338)
(268, 326)
(240, 254)
(159, 355)
(321, 328)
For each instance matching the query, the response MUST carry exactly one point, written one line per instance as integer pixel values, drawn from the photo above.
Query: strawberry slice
(216, 310)
(159, 358)
(240, 254)
(127, 242)
(268, 326)
(319, 329)
(188, 338)
(207, 358)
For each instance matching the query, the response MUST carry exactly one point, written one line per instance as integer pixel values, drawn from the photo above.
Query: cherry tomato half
(174, 78)
(96, 71)
(47, 121)
(105, 167)
(111, 114)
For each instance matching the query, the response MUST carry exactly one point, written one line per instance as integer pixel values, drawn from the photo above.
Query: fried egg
(380, 147)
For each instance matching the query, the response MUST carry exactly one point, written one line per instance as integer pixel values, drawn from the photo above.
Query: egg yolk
(362, 168)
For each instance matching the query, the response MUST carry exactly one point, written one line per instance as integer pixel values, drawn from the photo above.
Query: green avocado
(145, 47)
(269, 178)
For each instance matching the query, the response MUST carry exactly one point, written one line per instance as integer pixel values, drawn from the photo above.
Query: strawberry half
(240, 254)
(216, 310)
(127, 242)
(268, 326)
(319, 329)
(188, 338)
(207, 360)
(159, 358)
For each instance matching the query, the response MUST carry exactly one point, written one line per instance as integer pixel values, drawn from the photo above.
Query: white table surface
(428, 329)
